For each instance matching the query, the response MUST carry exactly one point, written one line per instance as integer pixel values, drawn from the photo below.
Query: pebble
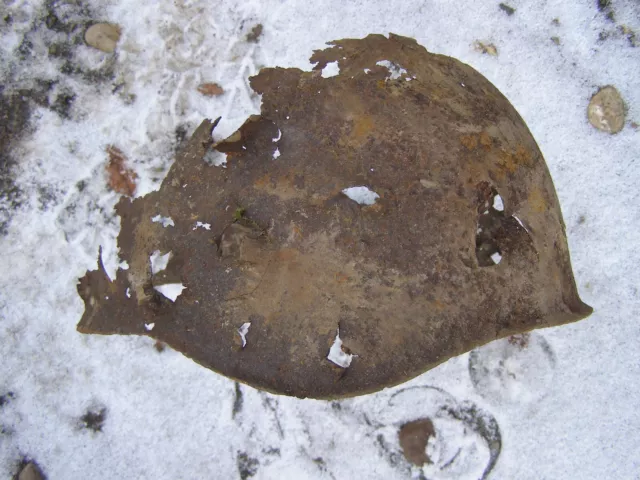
(413, 438)
(103, 36)
(606, 110)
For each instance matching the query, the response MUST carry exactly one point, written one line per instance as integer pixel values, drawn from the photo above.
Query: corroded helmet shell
(364, 228)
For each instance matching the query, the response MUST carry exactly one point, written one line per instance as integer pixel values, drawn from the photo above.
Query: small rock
(210, 89)
(30, 472)
(486, 48)
(556, 40)
(606, 110)
(121, 179)
(507, 9)
(413, 440)
(103, 36)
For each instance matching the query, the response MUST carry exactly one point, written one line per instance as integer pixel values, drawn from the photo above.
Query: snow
(498, 204)
(395, 71)
(337, 355)
(216, 158)
(496, 257)
(276, 154)
(204, 226)
(362, 195)
(170, 290)
(243, 331)
(331, 69)
(583, 426)
(165, 221)
(159, 261)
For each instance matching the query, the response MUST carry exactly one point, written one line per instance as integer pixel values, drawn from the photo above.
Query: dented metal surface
(408, 280)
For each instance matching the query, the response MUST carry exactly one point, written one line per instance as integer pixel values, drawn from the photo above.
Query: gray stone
(103, 36)
(606, 110)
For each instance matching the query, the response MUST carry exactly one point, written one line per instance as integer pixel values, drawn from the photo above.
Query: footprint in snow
(517, 370)
(428, 433)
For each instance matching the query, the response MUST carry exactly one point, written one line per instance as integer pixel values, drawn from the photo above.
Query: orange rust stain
(283, 186)
(363, 125)
(537, 201)
(508, 161)
(522, 155)
(470, 142)
(486, 141)
(297, 231)
(263, 181)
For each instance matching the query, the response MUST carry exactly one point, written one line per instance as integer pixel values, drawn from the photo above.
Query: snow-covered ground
(562, 403)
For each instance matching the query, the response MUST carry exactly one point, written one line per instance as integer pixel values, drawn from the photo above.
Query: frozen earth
(559, 403)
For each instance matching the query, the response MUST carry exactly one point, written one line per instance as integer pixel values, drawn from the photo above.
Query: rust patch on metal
(410, 278)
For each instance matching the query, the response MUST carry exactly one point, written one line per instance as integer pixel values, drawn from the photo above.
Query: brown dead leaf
(121, 179)
(210, 89)
(486, 48)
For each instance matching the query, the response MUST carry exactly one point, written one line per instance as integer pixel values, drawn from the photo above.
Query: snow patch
(496, 257)
(243, 331)
(331, 69)
(276, 154)
(128, 292)
(498, 204)
(149, 326)
(165, 221)
(170, 290)
(361, 195)
(337, 355)
(206, 226)
(215, 158)
(158, 261)
(277, 139)
(395, 71)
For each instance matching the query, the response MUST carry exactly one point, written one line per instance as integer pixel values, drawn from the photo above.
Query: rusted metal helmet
(364, 228)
